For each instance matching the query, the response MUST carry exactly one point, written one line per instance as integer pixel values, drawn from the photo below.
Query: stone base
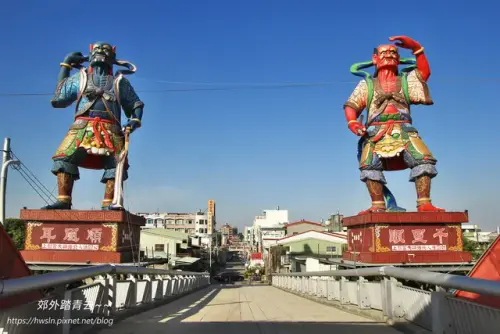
(409, 257)
(406, 237)
(406, 218)
(76, 256)
(81, 236)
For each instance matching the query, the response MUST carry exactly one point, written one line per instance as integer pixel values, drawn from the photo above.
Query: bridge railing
(381, 294)
(110, 292)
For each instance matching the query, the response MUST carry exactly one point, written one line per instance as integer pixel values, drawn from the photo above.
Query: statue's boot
(109, 193)
(376, 190)
(65, 188)
(424, 203)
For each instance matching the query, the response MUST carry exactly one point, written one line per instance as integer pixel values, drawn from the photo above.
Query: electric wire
(243, 86)
(26, 178)
(34, 179)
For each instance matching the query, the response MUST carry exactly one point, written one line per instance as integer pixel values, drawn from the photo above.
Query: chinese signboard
(402, 238)
(89, 237)
(211, 207)
(71, 247)
(406, 248)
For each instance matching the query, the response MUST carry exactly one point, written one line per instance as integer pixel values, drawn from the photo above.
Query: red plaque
(89, 236)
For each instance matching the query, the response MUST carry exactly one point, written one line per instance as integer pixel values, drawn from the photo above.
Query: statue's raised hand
(74, 59)
(406, 42)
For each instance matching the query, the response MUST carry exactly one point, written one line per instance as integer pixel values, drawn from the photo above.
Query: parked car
(229, 276)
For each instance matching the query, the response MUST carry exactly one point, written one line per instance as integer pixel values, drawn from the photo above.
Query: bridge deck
(242, 309)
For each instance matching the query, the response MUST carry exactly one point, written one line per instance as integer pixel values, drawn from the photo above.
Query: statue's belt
(100, 130)
(387, 129)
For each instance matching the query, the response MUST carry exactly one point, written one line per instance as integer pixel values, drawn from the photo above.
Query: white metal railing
(110, 292)
(437, 311)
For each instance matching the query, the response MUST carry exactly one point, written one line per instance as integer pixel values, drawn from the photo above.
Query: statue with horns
(96, 139)
(389, 140)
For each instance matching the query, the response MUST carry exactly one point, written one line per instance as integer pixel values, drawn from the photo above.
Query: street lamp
(6, 162)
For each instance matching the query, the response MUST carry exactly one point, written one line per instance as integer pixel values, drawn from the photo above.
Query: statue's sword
(117, 203)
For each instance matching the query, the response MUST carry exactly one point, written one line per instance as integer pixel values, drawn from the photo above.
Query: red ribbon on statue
(385, 130)
(98, 126)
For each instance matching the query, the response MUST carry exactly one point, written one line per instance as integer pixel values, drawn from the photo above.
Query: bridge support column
(363, 296)
(158, 292)
(344, 292)
(131, 300)
(440, 310)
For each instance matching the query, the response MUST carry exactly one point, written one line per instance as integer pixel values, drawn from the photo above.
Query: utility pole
(210, 254)
(6, 162)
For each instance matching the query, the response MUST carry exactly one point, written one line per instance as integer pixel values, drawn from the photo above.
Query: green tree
(235, 231)
(474, 247)
(16, 229)
(241, 236)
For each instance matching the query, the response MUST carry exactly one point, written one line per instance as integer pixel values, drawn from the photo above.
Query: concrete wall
(312, 246)
(148, 241)
(313, 264)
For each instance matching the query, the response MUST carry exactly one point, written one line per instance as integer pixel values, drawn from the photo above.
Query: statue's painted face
(386, 56)
(102, 53)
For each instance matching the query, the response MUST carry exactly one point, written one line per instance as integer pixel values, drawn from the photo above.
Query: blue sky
(254, 149)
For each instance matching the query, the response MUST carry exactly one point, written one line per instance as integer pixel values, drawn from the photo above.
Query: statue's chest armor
(388, 95)
(387, 86)
(99, 88)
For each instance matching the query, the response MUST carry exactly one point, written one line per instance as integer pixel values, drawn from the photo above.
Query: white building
(248, 235)
(193, 224)
(268, 228)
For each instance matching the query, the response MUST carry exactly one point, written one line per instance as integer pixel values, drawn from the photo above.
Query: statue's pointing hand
(406, 42)
(74, 59)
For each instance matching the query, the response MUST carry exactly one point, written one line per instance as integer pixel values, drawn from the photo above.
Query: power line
(244, 86)
(173, 90)
(26, 178)
(32, 177)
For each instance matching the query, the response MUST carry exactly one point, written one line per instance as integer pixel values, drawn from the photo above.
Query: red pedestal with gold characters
(406, 237)
(86, 236)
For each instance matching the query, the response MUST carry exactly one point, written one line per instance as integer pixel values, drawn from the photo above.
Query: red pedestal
(406, 237)
(86, 236)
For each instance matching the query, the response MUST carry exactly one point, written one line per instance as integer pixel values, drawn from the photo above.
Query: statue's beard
(100, 59)
(388, 63)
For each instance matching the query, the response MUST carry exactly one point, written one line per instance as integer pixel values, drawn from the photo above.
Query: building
(226, 232)
(248, 235)
(269, 236)
(303, 226)
(311, 250)
(474, 232)
(335, 223)
(200, 224)
(160, 243)
(268, 228)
